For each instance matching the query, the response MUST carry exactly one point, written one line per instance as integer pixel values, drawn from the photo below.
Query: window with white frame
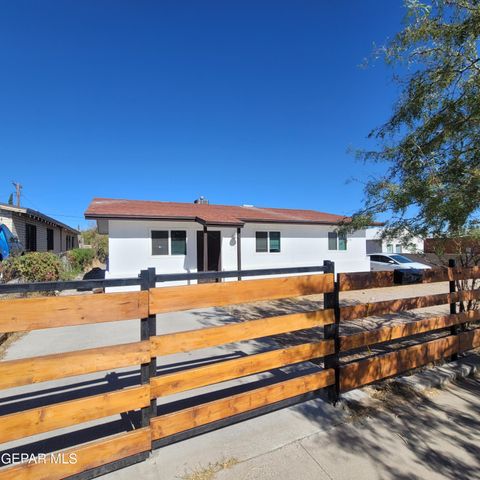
(398, 248)
(267, 242)
(337, 241)
(389, 247)
(165, 242)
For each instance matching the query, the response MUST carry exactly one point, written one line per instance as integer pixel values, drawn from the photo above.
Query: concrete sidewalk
(435, 435)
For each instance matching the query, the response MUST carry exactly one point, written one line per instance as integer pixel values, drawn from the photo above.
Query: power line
(63, 215)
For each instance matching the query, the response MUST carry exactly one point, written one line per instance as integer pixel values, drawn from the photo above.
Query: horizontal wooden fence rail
(363, 310)
(386, 334)
(214, 336)
(60, 415)
(387, 365)
(14, 373)
(367, 280)
(240, 367)
(50, 312)
(188, 418)
(186, 297)
(87, 456)
(363, 372)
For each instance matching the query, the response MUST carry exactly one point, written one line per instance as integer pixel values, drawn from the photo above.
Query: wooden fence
(156, 426)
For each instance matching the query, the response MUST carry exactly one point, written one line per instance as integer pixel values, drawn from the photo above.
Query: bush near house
(46, 266)
(80, 258)
(32, 267)
(98, 242)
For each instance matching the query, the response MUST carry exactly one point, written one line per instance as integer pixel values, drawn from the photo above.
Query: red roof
(204, 213)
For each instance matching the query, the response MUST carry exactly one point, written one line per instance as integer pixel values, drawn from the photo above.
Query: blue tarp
(4, 250)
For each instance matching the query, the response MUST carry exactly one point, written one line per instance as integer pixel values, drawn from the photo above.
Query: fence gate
(136, 400)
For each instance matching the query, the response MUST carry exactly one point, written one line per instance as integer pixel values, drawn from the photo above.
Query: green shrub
(80, 258)
(99, 243)
(32, 267)
(101, 248)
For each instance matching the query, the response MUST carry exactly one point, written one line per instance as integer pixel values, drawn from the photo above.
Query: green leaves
(431, 143)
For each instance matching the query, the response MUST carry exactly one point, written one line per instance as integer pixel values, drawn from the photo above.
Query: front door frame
(202, 253)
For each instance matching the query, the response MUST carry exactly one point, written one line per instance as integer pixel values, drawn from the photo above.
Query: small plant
(209, 472)
(98, 242)
(80, 258)
(32, 267)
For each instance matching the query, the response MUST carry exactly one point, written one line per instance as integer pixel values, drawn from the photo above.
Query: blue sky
(252, 102)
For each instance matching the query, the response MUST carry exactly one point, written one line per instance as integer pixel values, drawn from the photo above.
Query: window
(400, 259)
(261, 239)
(179, 242)
(159, 242)
(50, 245)
(169, 243)
(398, 248)
(389, 248)
(31, 237)
(274, 242)
(267, 242)
(332, 241)
(337, 241)
(69, 242)
(380, 258)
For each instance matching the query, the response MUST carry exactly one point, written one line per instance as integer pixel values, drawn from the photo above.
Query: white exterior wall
(301, 246)
(6, 219)
(415, 245)
(304, 246)
(130, 248)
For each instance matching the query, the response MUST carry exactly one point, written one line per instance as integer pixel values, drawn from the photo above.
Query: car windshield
(400, 259)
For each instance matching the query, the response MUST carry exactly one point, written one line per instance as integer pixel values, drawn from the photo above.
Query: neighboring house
(375, 244)
(36, 231)
(172, 236)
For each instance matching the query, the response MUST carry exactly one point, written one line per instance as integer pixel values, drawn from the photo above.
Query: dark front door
(213, 251)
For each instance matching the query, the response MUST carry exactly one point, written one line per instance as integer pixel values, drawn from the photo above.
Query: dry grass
(388, 396)
(209, 472)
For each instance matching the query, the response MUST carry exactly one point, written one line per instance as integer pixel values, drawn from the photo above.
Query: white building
(375, 244)
(171, 237)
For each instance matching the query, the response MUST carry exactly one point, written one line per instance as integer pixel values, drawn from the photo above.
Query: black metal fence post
(148, 328)
(454, 329)
(332, 332)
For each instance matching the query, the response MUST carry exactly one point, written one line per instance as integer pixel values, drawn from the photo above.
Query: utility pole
(18, 191)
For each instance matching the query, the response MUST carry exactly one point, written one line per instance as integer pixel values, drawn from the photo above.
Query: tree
(10, 199)
(431, 143)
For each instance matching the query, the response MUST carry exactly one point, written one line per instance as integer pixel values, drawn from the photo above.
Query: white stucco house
(171, 237)
(375, 244)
